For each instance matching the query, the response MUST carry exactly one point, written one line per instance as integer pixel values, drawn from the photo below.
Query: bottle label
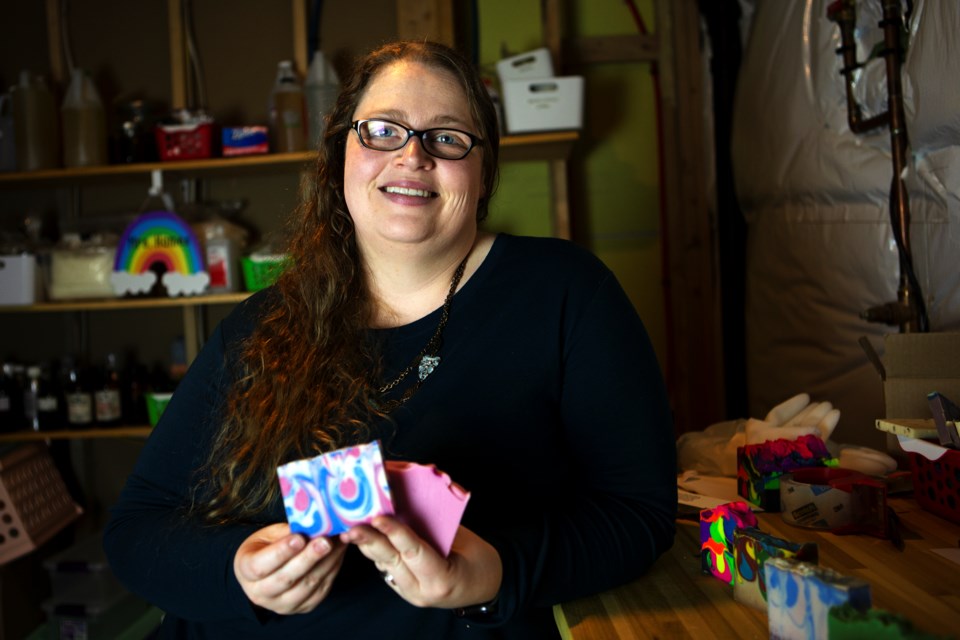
(108, 405)
(79, 408)
(47, 404)
(218, 266)
(5, 403)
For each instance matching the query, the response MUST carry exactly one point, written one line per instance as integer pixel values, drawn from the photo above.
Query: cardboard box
(547, 104)
(915, 365)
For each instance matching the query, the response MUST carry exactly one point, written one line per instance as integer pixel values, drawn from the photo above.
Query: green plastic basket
(259, 273)
(156, 403)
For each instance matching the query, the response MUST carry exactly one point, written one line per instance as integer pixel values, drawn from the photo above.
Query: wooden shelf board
(253, 162)
(536, 146)
(553, 145)
(128, 303)
(77, 434)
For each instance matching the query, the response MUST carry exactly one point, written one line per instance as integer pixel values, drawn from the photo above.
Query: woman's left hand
(471, 574)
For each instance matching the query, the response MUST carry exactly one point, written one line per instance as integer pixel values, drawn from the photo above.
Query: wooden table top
(676, 600)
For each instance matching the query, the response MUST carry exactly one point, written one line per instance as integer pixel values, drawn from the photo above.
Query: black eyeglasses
(384, 135)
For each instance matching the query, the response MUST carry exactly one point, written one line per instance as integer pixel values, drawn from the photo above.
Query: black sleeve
(154, 548)
(620, 514)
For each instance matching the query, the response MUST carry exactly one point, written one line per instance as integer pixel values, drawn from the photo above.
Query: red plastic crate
(184, 141)
(936, 484)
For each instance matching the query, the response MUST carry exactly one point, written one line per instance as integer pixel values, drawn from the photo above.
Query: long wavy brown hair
(305, 384)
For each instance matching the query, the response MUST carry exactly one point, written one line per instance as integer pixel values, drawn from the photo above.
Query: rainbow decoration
(159, 242)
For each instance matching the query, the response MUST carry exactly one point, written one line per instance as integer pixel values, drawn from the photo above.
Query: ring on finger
(388, 578)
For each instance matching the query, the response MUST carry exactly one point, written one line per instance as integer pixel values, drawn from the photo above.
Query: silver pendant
(427, 365)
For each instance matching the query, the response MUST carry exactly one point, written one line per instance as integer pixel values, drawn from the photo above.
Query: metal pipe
(909, 310)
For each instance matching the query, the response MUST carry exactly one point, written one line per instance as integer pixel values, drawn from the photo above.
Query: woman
(515, 365)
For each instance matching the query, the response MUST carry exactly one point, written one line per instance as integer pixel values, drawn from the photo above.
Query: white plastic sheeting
(820, 249)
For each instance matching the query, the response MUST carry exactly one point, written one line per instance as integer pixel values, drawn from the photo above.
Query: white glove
(793, 419)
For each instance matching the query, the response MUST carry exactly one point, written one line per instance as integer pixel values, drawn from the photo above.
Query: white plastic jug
(84, 123)
(35, 124)
(321, 88)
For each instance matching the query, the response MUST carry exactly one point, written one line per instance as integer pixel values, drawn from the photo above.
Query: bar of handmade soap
(800, 594)
(330, 493)
(752, 548)
(717, 528)
(847, 623)
(427, 501)
(759, 466)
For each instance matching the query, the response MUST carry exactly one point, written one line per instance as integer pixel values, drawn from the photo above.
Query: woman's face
(409, 198)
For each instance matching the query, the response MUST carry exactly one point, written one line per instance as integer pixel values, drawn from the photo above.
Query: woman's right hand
(284, 572)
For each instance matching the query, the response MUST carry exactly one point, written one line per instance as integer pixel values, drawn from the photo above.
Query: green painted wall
(614, 169)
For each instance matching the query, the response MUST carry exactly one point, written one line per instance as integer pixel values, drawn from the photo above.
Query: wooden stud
(178, 59)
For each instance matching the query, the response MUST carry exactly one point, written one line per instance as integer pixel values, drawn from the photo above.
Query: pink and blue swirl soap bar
(330, 493)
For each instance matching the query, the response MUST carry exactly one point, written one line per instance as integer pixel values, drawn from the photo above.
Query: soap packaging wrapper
(800, 595)
(330, 493)
(752, 548)
(717, 528)
(759, 466)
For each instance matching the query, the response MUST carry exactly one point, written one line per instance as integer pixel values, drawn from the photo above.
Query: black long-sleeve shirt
(548, 406)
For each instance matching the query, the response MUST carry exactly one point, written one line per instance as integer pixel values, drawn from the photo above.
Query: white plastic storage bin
(19, 279)
(546, 104)
(526, 66)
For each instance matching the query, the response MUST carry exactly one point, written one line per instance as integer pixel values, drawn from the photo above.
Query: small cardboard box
(546, 104)
(915, 365)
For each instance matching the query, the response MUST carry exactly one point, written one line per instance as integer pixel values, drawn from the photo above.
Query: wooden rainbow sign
(159, 245)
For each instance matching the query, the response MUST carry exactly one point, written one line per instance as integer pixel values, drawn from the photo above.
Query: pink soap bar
(330, 493)
(427, 501)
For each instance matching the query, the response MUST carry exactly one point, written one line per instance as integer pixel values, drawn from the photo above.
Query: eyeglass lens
(384, 135)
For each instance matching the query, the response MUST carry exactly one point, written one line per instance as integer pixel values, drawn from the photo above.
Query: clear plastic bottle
(287, 122)
(84, 123)
(35, 124)
(321, 90)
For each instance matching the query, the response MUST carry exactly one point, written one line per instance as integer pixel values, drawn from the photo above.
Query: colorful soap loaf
(330, 493)
(800, 594)
(752, 548)
(848, 623)
(717, 527)
(759, 466)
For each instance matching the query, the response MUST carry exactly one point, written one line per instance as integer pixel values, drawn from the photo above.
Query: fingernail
(296, 542)
(321, 545)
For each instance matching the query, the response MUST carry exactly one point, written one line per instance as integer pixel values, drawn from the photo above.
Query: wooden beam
(599, 49)
(559, 187)
(55, 29)
(551, 16)
(695, 353)
(426, 19)
(178, 58)
(301, 57)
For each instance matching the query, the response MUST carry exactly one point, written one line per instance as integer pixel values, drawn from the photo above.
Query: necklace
(427, 360)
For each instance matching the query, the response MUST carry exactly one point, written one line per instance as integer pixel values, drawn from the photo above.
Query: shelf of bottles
(73, 399)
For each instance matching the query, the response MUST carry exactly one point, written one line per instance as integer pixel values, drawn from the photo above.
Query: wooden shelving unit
(113, 304)
(77, 434)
